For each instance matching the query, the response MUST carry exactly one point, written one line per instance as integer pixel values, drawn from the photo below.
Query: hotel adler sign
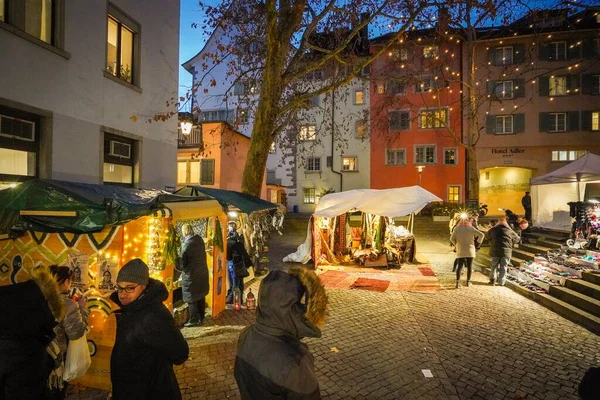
(507, 153)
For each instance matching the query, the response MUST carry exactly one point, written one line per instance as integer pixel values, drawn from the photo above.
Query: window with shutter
(504, 124)
(504, 55)
(207, 171)
(557, 122)
(504, 90)
(557, 85)
(557, 51)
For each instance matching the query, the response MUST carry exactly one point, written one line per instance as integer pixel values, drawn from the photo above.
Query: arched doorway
(503, 187)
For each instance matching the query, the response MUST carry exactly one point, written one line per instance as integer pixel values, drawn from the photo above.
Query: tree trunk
(472, 123)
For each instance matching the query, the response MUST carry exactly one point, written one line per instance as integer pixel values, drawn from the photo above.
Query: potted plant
(441, 212)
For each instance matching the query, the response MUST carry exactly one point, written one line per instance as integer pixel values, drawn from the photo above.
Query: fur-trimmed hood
(292, 303)
(43, 278)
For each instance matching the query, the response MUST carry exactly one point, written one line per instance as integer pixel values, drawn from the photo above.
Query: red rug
(334, 279)
(426, 271)
(375, 285)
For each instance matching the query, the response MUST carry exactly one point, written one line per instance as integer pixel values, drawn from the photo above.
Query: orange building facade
(415, 116)
(213, 155)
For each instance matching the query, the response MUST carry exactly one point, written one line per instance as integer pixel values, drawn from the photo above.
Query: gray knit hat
(135, 271)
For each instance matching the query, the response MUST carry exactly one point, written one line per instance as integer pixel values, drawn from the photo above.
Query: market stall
(364, 226)
(95, 229)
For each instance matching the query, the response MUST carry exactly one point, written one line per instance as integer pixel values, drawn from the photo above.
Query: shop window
(308, 196)
(451, 156)
(361, 129)
(395, 157)
(504, 124)
(558, 50)
(308, 132)
(567, 155)
(39, 19)
(425, 154)
(503, 55)
(359, 97)
(453, 194)
(349, 164)
(19, 146)
(430, 51)
(558, 85)
(399, 120)
(118, 160)
(557, 122)
(188, 172)
(424, 85)
(207, 171)
(430, 119)
(122, 46)
(504, 90)
(313, 164)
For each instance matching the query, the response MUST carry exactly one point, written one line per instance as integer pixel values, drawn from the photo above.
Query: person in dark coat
(502, 239)
(148, 342)
(271, 362)
(28, 314)
(238, 262)
(194, 275)
(526, 203)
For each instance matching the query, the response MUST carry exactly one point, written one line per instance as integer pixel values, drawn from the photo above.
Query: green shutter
(207, 172)
(587, 84)
(519, 87)
(573, 84)
(490, 124)
(491, 86)
(544, 122)
(519, 53)
(586, 120)
(573, 52)
(544, 52)
(519, 123)
(573, 121)
(544, 86)
(587, 48)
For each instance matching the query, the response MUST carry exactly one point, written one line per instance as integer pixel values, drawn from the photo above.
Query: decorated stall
(95, 229)
(364, 226)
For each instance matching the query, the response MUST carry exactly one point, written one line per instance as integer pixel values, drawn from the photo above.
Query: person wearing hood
(29, 312)
(272, 362)
(502, 239)
(238, 262)
(148, 341)
(194, 275)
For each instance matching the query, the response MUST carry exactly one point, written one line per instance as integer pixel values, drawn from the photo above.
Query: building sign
(508, 151)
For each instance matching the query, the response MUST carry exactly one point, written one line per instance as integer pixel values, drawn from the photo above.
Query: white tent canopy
(584, 169)
(396, 202)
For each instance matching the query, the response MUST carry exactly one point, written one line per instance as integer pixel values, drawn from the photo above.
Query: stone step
(591, 277)
(584, 287)
(519, 252)
(549, 235)
(576, 299)
(569, 311)
(534, 248)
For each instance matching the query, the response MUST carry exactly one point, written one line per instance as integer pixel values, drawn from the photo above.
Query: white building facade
(80, 80)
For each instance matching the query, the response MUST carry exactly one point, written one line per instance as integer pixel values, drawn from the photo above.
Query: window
(453, 194)
(398, 54)
(308, 196)
(504, 124)
(315, 101)
(122, 46)
(451, 156)
(118, 160)
(2, 7)
(425, 154)
(242, 116)
(308, 132)
(380, 88)
(596, 120)
(19, 146)
(218, 115)
(567, 155)
(431, 119)
(315, 75)
(361, 129)
(504, 55)
(504, 90)
(399, 120)
(313, 164)
(207, 171)
(558, 50)
(397, 88)
(395, 157)
(359, 96)
(244, 87)
(557, 122)
(188, 171)
(36, 18)
(349, 164)
(558, 85)
(430, 51)
(425, 85)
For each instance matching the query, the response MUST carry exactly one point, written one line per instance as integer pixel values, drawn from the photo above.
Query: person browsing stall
(148, 341)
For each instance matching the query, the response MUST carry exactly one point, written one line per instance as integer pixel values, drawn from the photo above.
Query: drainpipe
(333, 140)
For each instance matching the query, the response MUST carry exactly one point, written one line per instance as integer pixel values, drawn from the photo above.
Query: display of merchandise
(586, 225)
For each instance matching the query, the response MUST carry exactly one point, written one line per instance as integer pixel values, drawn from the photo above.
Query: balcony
(194, 139)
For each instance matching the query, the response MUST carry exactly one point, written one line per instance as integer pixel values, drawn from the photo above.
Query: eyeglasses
(127, 289)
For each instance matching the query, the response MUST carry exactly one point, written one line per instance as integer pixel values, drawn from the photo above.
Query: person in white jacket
(463, 238)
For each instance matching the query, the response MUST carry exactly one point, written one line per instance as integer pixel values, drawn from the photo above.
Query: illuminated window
(19, 146)
(558, 85)
(308, 132)
(349, 164)
(431, 51)
(2, 7)
(504, 55)
(567, 155)
(398, 54)
(504, 124)
(424, 85)
(453, 194)
(188, 171)
(122, 46)
(119, 160)
(425, 154)
(272, 148)
(430, 119)
(361, 129)
(380, 88)
(395, 157)
(308, 196)
(313, 164)
(359, 97)
(596, 120)
(451, 156)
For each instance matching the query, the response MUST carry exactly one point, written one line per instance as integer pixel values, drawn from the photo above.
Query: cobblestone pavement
(480, 342)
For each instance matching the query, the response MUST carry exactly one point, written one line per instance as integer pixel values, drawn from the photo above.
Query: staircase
(578, 300)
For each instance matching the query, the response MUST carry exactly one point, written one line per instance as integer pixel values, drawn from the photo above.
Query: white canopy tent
(397, 202)
(551, 192)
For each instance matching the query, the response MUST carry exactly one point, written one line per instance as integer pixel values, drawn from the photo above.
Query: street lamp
(186, 122)
(420, 169)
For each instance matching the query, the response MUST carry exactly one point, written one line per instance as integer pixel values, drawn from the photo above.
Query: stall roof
(244, 202)
(395, 202)
(585, 169)
(59, 206)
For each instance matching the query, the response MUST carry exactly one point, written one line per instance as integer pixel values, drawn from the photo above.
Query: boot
(458, 284)
(469, 284)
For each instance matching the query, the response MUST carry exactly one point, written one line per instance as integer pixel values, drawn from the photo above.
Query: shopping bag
(78, 359)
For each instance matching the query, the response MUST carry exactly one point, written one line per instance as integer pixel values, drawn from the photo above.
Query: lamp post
(420, 169)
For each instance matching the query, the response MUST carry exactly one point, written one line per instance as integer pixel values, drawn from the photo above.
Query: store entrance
(503, 187)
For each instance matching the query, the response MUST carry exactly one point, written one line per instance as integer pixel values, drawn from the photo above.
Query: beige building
(539, 82)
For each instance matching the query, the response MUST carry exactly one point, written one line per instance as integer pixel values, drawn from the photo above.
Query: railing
(194, 139)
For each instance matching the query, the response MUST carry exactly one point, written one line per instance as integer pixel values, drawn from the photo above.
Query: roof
(244, 202)
(395, 202)
(584, 169)
(59, 206)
